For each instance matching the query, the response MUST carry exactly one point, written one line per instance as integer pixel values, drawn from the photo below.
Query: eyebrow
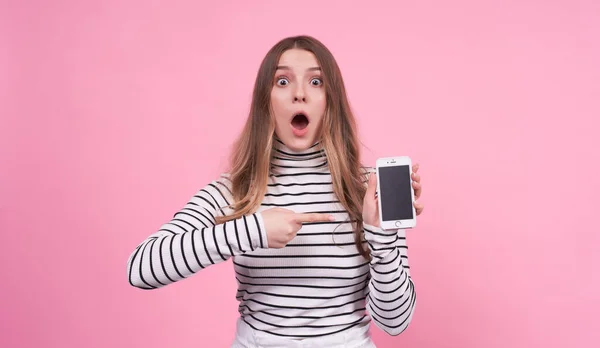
(285, 67)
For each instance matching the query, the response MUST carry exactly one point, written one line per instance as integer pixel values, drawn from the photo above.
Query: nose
(299, 95)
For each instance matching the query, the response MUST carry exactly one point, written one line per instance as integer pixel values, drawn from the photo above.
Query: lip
(300, 132)
(300, 112)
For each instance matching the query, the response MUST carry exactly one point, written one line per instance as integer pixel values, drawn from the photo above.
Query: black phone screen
(395, 195)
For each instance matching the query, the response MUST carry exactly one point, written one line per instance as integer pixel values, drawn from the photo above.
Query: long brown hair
(251, 155)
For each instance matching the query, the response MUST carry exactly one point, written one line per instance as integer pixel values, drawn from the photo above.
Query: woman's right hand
(283, 224)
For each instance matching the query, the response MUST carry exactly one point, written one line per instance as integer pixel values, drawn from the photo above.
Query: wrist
(373, 226)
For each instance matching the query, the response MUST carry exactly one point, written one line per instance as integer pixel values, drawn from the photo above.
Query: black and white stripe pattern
(317, 285)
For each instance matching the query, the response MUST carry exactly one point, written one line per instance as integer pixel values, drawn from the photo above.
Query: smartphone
(395, 192)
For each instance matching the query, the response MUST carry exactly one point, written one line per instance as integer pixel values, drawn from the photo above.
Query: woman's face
(298, 99)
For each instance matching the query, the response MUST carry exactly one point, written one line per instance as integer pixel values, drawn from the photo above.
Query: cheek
(321, 101)
(275, 100)
(280, 97)
(278, 105)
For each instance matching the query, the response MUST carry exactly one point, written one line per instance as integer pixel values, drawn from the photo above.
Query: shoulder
(219, 187)
(223, 185)
(224, 179)
(215, 194)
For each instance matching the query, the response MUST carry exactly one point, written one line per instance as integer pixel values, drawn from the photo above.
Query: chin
(298, 143)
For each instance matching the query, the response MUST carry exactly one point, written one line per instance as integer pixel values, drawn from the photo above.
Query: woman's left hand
(370, 203)
(417, 188)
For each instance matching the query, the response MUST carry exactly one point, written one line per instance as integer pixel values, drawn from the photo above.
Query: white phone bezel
(396, 224)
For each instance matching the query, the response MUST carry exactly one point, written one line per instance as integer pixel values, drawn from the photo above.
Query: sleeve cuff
(381, 242)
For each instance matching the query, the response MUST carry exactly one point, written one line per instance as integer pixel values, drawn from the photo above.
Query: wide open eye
(282, 81)
(316, 82)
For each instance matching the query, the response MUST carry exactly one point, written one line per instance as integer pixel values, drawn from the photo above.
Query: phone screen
(395, 195)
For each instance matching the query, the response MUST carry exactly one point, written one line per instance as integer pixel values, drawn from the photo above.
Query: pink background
(114, 113)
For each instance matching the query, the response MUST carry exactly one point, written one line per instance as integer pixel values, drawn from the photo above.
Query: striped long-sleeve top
(316, 285)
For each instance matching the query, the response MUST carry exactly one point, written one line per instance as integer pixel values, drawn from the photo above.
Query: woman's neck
(286, 160)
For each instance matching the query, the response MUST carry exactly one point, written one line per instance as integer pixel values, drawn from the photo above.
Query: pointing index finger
(313, 217)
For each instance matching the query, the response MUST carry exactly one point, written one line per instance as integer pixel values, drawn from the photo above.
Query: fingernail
(331, 218)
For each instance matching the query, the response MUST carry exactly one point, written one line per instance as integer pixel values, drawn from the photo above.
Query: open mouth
(300, 121)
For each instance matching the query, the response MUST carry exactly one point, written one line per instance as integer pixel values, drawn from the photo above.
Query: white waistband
(355, 337)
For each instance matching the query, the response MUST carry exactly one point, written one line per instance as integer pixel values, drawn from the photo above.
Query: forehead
(298, 59)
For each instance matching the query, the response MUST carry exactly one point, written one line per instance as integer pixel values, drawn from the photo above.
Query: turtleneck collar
(286, 160)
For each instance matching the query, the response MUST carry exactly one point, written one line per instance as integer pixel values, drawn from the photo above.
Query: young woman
(297, 212)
